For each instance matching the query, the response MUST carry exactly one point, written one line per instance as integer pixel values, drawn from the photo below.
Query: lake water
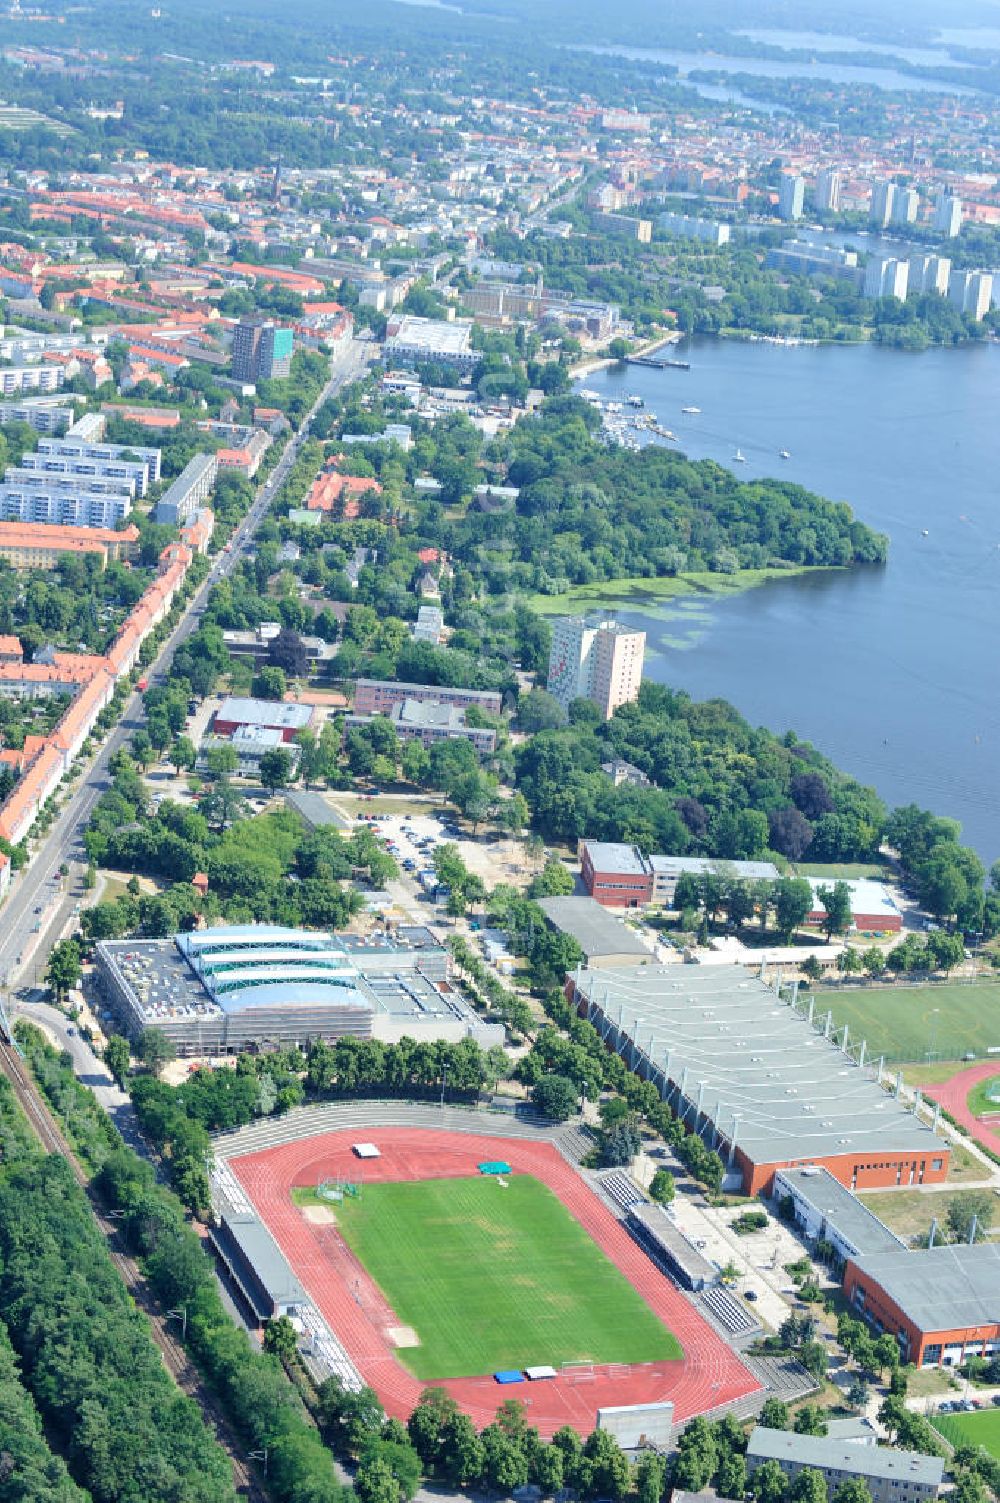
(823, 41)
(893, 672)
(766, 67)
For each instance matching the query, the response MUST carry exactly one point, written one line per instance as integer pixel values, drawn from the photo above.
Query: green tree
(374, 1482)
(280, 1338)
(505, 1465)
(64, 968)
(155, 1050)
(117, 1058)
(610, 1473)
(809, 1421)
(222, 760)
(774, 1415)
(556, 1097)
(554, 881)
(275, 768)
(662, 1188)
(183, 754)
(808, 1486)
(853, 1490)
(874, 961)
(415, 762)
(697, 1456)
(968, 1208)
(767, 1483)
(793, 900)
(837, 902)
(270, 683)
(812, 970)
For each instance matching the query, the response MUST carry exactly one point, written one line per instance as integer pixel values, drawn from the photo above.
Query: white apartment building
(826, 193)
(18, 378)
(971, 291)
(596, 659)
(791, 197)
(690, 227)
(929, 274)
(883, 204)
(948, 215)
(72, 508)
(904, 209)
(887, 277)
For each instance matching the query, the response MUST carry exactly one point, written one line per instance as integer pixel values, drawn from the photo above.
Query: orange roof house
(330, 492)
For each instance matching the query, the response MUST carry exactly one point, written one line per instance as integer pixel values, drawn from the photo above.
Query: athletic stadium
(467, 1250)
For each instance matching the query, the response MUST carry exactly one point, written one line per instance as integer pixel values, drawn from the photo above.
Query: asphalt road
(38, 898)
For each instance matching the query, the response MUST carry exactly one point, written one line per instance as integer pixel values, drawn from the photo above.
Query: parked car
(751, 1295)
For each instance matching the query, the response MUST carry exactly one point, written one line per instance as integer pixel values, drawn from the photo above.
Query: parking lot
(413, 839)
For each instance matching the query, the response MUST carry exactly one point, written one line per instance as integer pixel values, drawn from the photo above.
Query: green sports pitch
(910, 1023)
(491, 1277)
(981, 1428)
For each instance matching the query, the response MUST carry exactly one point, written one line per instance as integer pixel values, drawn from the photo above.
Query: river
(893, 672)
(767, 67)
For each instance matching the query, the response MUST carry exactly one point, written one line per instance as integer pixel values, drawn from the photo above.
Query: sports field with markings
(491, 1277)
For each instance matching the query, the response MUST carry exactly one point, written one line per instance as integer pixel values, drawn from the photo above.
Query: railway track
(175, 1358)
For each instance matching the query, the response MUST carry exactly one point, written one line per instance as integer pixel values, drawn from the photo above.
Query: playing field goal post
(338, 1190)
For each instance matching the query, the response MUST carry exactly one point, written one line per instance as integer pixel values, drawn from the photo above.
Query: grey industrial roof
(612, 856)
(595, 930)
(821, 1451)
(264, 712)
(315, 810)
(748, 870)
(794, 1095)
(836, 1204)
(940, 1288)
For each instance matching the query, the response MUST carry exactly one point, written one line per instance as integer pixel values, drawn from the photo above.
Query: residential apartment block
(596, 659)
(374, 696)
(187, 493)
(891, 1476)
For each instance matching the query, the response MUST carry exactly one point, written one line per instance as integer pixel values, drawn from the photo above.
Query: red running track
(953, 1096)
(709, 1374)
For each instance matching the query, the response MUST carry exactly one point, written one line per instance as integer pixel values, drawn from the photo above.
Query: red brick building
(619, 876)
(941, 1303)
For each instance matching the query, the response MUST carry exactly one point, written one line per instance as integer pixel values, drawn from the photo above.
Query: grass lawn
(638, 590)
(351, 805)
(978, 1099)
(840, 871)
(931, 1075)
(929, 1383)
(981, 1428)
(906, 1212)
(908, 1022)
(492, 1278)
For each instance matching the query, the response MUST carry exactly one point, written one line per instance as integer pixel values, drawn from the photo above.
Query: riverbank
(639, 592)
(587, 367)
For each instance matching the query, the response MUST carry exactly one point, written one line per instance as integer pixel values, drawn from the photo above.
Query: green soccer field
(908, 1022)
(979, 1429)
(493, 1278)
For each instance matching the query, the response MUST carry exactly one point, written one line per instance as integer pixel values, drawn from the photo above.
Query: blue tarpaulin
(494, 1166)
(512, 1375)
